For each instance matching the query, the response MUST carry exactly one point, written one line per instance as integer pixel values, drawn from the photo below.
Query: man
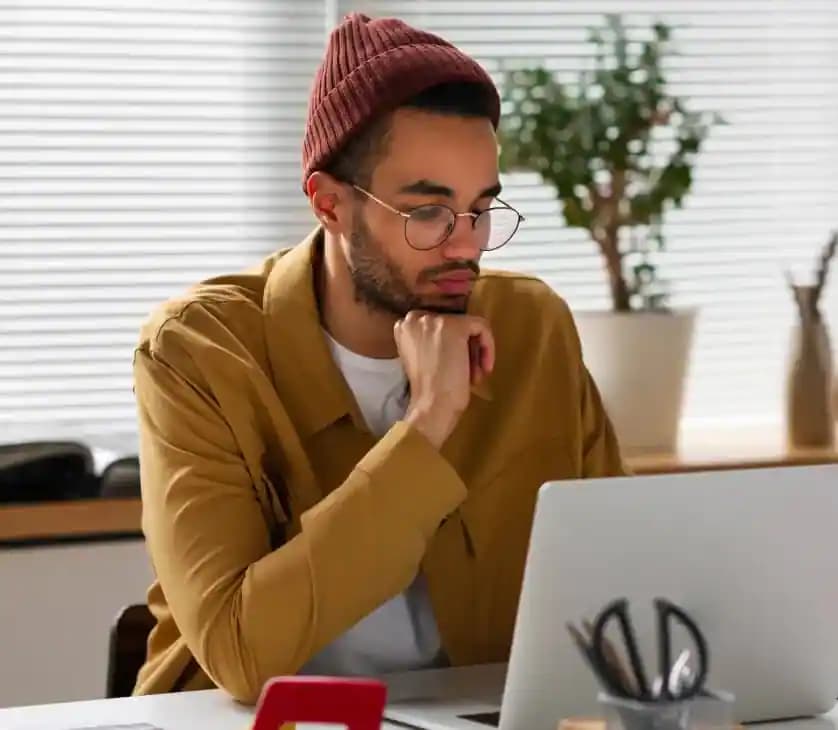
(341, 450)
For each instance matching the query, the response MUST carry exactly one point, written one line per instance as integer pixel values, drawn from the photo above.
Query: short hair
(358, 158)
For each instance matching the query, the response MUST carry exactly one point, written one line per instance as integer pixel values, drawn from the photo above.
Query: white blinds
(766, 192)
(146, 144)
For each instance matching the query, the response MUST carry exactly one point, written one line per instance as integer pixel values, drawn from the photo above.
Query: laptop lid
(750, 554)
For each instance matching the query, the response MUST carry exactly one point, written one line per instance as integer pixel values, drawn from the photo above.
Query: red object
(356, 703)
(371, 67)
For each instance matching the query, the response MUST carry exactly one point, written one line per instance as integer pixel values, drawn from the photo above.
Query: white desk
(211, 710)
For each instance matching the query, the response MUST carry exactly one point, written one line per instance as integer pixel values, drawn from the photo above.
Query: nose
(463, 243)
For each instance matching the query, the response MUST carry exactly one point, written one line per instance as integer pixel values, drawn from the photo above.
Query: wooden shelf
(743, 447)
(673, 463)
(117, 518)
(81, 519)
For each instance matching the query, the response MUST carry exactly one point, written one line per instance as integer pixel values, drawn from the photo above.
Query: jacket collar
(304, 372)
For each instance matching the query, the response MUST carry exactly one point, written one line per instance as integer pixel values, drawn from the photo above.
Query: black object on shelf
(121, 479)
(43, 471)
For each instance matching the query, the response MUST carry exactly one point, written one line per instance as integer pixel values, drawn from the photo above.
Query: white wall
(57, 604)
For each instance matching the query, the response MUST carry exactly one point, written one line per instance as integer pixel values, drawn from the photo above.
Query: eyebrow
(428, 187)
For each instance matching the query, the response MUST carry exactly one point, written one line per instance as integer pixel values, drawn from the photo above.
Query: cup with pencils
(676, 698)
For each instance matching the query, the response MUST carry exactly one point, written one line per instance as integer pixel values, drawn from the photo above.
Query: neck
(352, 323)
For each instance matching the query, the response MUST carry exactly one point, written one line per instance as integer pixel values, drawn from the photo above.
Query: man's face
(430, 159)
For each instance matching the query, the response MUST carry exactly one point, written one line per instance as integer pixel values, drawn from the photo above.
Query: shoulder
(222, 314)
(524, 307)
(503, 288)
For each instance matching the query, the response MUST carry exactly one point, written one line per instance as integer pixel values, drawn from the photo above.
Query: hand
(443, 356)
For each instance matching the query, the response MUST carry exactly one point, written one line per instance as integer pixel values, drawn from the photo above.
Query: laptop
(750, 554)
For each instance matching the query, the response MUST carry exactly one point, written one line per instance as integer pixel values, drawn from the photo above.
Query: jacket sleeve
(600, 450)
(248, 612)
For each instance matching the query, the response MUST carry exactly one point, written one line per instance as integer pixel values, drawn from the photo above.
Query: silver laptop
(751, 554)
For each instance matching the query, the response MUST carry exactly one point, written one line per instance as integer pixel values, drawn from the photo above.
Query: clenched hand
(443, 356)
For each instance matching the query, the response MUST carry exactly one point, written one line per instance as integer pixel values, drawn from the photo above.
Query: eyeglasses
(429, 226)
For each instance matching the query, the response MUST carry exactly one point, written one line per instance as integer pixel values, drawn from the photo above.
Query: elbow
(228, 657)
(243, 692)
(236, 658)
(237, 676)
(242, 636)
(231, 668)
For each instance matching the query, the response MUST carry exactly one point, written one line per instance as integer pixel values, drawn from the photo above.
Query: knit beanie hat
(371, 67)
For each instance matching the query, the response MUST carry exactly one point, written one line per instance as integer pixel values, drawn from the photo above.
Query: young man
(341, 450)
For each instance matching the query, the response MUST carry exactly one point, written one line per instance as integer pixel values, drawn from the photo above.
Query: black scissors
(675, 681)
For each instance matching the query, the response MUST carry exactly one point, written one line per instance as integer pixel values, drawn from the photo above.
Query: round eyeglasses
(429, 226)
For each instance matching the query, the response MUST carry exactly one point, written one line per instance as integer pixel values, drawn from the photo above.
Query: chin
(452, 304)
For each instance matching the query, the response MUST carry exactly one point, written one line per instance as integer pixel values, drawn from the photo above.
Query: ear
(330, 202)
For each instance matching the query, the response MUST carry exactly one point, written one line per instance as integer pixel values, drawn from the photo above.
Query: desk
(210, 710)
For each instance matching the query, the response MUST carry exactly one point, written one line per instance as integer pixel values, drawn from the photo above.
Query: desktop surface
(209, 710)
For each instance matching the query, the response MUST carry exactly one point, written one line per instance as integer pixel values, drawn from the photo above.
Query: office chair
(121, 478)
(127, 649)
(40, 471)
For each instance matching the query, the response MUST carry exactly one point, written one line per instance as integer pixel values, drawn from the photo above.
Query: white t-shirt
(401, 634)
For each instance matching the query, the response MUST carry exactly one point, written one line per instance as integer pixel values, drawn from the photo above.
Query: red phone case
(356, 703)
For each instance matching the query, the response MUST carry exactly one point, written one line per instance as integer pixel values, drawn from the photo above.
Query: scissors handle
(619, 610)
(666, 610)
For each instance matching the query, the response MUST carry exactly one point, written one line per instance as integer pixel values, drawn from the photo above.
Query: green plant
(617, 147)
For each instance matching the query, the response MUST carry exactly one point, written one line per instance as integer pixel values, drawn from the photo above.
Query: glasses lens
(429, 225)
(495, 226)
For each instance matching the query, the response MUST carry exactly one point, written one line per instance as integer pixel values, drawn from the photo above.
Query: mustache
(434, 271)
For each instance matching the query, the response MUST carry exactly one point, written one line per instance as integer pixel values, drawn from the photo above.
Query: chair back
(127, 649)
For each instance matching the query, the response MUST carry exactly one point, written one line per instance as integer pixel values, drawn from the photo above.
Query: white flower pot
(639, 362)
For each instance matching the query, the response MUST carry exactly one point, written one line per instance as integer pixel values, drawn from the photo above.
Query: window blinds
(144, 145)
(147, 144)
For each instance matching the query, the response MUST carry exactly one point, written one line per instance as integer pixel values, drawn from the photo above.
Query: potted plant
(618, 148)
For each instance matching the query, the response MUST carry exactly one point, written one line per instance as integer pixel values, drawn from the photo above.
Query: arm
(248, 612)
(600, 449)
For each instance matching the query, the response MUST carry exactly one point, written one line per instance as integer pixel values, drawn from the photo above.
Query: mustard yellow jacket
(275, 520)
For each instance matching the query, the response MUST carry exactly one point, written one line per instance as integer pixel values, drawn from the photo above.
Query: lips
(459, 282)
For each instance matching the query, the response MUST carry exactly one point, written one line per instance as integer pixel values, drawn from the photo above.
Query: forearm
(247, 619)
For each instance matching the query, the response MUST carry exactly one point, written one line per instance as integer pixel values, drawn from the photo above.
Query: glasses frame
(470, 214)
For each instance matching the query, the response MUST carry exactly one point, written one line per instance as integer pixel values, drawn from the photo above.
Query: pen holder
(711, 711)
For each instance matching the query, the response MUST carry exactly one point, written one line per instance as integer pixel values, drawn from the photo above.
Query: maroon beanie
(373, 66)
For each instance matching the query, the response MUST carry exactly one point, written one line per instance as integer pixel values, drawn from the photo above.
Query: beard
(380, 285)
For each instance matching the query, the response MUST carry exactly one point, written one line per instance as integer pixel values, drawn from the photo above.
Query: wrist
(433, 423)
